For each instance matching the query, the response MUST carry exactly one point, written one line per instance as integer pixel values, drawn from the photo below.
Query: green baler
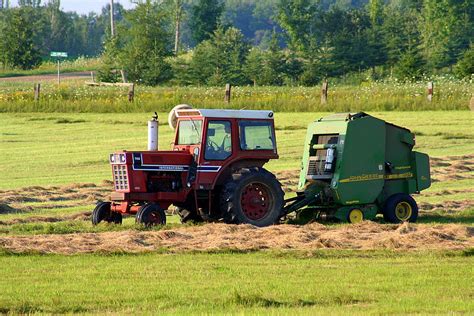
(356, 166)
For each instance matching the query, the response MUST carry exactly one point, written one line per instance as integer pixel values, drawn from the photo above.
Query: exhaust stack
(153, 133)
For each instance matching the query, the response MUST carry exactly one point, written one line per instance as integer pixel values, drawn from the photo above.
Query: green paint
(374, 160)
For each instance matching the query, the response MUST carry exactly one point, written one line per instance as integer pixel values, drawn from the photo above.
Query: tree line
(267, 42)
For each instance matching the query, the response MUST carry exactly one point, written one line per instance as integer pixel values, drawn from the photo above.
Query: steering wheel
(212, 144)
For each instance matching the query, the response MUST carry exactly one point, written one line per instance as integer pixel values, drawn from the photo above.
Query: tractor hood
(162, 161)
(154, 160)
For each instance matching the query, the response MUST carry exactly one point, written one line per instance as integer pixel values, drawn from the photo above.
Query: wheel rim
(255, 201)
(356, 216)
(154, 218)
(403, 211)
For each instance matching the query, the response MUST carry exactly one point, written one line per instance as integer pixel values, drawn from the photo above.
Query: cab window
(256, 135)
(218, 140)
(189, 132)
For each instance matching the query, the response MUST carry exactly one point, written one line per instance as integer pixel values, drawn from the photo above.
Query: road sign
(58, 54)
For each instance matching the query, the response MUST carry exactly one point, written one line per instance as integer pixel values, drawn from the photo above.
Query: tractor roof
(241, 114)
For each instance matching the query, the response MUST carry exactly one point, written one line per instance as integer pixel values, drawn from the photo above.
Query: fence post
(131, 92)
(228, 88)
(324, 92)
(92, 76)
(124, 76)
(430, 91)
(37, 91)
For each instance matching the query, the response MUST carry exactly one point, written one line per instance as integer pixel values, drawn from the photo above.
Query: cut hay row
(220, 237)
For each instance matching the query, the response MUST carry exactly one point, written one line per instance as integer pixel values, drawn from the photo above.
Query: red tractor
(214, 171)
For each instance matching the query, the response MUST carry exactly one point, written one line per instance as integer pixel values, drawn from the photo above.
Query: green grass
(74, 96)
(323, 282)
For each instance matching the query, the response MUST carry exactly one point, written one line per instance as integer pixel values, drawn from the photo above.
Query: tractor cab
(214, 153)
(222, 140)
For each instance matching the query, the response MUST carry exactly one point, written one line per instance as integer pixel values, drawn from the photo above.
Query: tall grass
(74, 96)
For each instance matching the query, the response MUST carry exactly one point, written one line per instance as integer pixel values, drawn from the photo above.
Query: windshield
(189, 132)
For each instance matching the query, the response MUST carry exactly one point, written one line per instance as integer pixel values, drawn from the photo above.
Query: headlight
(123, 158)
(112, 158)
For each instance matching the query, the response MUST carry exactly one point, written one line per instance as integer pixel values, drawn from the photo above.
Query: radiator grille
(120, 177)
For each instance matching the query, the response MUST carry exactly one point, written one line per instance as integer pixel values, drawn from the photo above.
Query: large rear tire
(151, 215)
(399, 208)
(252, 196)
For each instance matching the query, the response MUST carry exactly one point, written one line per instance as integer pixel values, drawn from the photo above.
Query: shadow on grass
(247, 300)
(446, 219)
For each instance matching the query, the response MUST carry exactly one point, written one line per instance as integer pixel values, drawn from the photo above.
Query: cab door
(217, 149)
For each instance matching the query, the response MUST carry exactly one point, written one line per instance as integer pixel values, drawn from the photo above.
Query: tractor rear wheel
(151, 215)
(399, 208)
(102, 212)
(252, 196)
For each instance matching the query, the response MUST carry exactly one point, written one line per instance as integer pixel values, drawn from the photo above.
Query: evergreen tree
(410, 66)
(205, 16)
(220, 59)
(253, 65)
(465, 66)
(273, 71)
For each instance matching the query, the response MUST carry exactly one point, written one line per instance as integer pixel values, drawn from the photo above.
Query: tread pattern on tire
(230, 190)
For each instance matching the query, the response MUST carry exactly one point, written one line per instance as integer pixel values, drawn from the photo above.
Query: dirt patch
(211, 237)
(48, 77)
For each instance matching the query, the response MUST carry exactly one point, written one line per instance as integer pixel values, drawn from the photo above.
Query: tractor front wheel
(102, 212)
(151, 215)
(399, 208)
(252, 196)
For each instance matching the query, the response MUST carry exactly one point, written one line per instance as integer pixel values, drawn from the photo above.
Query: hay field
(54, 167)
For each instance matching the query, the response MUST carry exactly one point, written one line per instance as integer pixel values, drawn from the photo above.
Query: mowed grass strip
(324, 282)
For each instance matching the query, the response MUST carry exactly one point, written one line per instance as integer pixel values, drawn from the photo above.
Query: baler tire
(264, 183)
(101, 213)
(151, 215)
(400, 200)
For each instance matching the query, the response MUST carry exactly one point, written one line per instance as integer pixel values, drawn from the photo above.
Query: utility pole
(112, 26)
(179, 12)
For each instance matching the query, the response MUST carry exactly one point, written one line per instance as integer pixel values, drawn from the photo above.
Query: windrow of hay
(215, 237)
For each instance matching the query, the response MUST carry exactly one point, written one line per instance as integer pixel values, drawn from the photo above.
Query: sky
(85, 6)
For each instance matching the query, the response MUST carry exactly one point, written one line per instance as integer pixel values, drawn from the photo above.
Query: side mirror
(196, 154)
(211, 132)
